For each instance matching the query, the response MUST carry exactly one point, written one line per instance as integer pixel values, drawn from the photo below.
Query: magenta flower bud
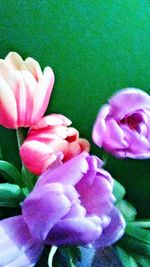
(122, 126)
(24, 91)
(49, 138)
(72, 204)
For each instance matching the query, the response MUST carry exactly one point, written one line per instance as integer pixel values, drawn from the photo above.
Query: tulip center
(132, 121)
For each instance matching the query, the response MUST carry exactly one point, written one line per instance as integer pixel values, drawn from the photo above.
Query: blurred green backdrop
(95, 47)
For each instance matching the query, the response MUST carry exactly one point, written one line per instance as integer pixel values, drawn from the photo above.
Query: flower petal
(15, 61)
(113, 232)
(42, 94)
(41, 153)
(138, 145)
(44, 207)
(52, 120)
(8, 108)
(34, 67)
(100, 125)
(75, 231)
(17, 247)
(97, 197)
(73, 170)
(114, 136)
(128, 101)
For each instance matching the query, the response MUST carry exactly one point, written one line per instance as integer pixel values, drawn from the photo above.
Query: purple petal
(95, 165)
(17, 247)
(114, 136)
(100, 125)
(75, 231)
(113, 232)
(69, 173)
(137, 142)
(44, 207)
(128, 100)
(97, 197)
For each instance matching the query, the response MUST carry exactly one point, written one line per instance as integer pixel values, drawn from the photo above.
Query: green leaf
(119, 191)
(10, 195)
(138, 233)
(143, 223)
(135, 245)
(126, 259)
(143, 261)
(10, 172)
(104, 158)
(128, 211)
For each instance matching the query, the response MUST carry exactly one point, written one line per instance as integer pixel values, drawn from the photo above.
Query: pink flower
(24, 91)
(122, 127)
(49, 138)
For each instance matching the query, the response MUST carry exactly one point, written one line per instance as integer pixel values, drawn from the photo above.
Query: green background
(95, 48)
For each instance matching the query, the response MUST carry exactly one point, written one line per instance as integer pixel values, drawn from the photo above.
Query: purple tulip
(72, 204)
(122, 127)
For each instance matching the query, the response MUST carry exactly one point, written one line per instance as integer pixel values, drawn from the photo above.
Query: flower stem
(51, 255)
(26, 175)
(20, 137)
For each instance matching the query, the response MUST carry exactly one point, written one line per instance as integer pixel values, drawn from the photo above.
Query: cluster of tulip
(72, 202)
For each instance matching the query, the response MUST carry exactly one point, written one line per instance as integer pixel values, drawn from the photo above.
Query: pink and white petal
(42, 94)
(100, 125)
(127, 101)
(15, 61)
(58, 131)
(43, 208)
(34, 67)
(46, 135)
(75, 231)
(52, 120)
(114, 137)
(29, 89)
(113, 232)
(17, 247)
(36, 156)
(58, 146)
(73, 170)
(8, 107)
(21, 98)
(4, 69)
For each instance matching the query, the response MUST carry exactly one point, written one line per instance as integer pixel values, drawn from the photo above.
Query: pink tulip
(49, 139)
(24, 91)
(122, 126)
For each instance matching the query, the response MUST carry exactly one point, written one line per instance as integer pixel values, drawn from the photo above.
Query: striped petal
(17, 247)
(42, 94)
(8, 108)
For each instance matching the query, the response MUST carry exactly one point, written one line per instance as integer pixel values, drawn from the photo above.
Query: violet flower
(72, 204)
(122, 127)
